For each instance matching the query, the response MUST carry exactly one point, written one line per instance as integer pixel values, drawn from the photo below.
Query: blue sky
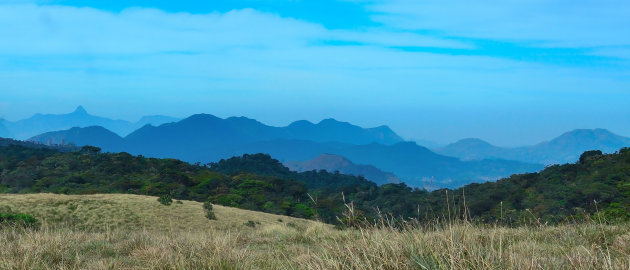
(510, 72)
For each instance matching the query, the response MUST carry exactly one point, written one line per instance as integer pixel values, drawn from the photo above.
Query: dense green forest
(564, 193)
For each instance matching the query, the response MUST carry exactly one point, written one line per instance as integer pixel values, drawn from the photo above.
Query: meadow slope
(103, 212)
(136, 232)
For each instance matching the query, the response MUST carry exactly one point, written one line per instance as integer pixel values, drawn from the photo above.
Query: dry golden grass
(186, 242)
(132, 212)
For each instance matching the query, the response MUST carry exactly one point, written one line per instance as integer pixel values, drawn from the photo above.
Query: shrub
(303, 211)
(590, 155)
(250, 223)
(165, 199)
(209, 210)
(22, 220)
(210, 215)
(207, 205)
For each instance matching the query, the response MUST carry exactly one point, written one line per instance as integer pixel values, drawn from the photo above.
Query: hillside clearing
(104, 212)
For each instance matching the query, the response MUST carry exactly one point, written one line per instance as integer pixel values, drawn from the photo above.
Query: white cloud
(57, 29)
(68, 30)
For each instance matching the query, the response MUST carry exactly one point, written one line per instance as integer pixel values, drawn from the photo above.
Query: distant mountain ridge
(332, 163)
(42, 123)
(331, 130)
(94, 135)
(242, 129)
(471, 149)
(4, 131)
(206, 138)
(566, 148)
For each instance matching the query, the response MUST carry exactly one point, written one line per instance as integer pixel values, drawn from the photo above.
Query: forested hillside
(596, 184)
(333, 163)
(274, 189)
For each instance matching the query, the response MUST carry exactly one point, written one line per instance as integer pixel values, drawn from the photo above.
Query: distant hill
(206, 138)
(331, 130)
(93, 135)
(472, 149)
(327, 130)
(154, 120)
(243, 129)
(333, 163)
(4, 131)
(42, 123)
(413, 164)
(419, 166)
(428, 143)
(569, 146)
(563, 149)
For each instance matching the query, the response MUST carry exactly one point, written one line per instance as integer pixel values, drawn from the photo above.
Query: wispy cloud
(70, 30)
(618, 52)
(557, 23)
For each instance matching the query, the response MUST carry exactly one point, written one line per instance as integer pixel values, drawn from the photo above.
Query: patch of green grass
(20, 220)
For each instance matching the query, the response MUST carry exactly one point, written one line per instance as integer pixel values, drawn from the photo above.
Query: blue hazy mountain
(331, 130)
(333, 163)
(41, 123)
(241, 129)
(155, 120)
(94, 135)
(413, 164)
(211, 131)
(472, 149)
(564, 149)
(4, 131)
(206, 138)
(428, 143)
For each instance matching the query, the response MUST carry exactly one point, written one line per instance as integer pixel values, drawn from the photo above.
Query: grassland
(136, 232)
(133, 212)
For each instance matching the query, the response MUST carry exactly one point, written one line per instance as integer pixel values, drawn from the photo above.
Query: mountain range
(335, 163)
(41, 123)
(4, 131)
(241, 129)
(564, 149)
(93, 135)
(329, 145)
(206, 138)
